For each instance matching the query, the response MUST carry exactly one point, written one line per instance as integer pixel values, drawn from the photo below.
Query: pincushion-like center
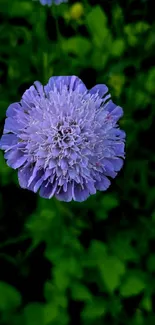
(61, 129)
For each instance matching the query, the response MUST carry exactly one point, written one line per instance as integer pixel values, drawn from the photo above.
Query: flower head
(50, 2)
(64, 139)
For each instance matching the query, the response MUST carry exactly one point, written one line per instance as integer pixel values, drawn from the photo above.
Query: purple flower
(50, 2)
(64, 139)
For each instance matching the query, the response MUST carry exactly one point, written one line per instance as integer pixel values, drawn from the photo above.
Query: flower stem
(14, 241)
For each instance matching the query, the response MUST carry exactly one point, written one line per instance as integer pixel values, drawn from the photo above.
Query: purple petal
(8, 141)
(13, 109)
(29, 94)
(65, 196)
(34, 174)
(99, 89)
(48, 190)
(39, 88)
(11, 125)
(119, 149)
(63, 164)
(55, 152)
(32, 95)
(52, 163)
(91, 187)
(108, 168)
(72, 82)
(117, 133)
(37, 184)
(24, 174)
(117, 163)
(80, 194)
(15, 158)
(103, 184)
(116, 111)
(37, 181)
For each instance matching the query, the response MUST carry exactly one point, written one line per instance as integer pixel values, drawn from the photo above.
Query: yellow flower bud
(76, 11)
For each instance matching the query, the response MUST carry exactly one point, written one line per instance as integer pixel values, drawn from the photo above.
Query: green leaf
(64, 270)
(77, 45)
(48, 290)
(141, 27)
(111, 269)
(130, 33)
(114, 305)
(53, 294)
(50, 313)
(118, 47)
(80, 292)
(121, 247)
(54, 255)
(133, 285)
(118, 16)
(138, 318)
(20, 9)
(94, 310)
(141, 99)
(34, 314)
(109, 202)
(61, 279)
(39, 225)
(147, 303)
(10, 298)
(96, 22)
(96, 253)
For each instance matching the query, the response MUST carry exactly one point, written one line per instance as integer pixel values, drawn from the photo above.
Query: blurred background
(89, 263)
